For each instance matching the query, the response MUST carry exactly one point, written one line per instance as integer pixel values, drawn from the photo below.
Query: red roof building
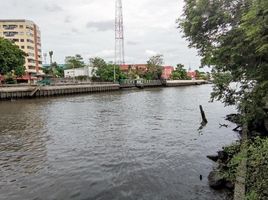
(191, 74)
(167, 72)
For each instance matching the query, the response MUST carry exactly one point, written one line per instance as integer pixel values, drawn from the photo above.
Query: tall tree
(232, 37)
(105, 72)
(97, 63)
(51, 57)
(11, 58)
(76, 61)
(179, 73)
(154, 67)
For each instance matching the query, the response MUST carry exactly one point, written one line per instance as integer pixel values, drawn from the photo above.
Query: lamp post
(114, 73)
(73, 73)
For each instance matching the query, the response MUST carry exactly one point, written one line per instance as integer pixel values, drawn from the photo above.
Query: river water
(139, 144)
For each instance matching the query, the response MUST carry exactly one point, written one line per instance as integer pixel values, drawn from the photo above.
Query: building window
(30, 54)
(31, 41)
(30, 28)
(10, 34)
(31, 61)
(9, 27)
(29, 34)
(31, 67)
(22, 47)
(29, 47)
(21, 26)
(21, 40)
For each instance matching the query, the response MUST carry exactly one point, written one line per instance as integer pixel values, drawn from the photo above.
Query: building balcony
(9, 27)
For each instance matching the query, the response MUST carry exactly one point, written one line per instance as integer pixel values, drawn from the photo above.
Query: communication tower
(119, 34)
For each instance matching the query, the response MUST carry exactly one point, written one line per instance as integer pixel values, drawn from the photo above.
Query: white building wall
(71, 73)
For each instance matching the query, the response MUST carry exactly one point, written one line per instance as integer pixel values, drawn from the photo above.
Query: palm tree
(50, 55)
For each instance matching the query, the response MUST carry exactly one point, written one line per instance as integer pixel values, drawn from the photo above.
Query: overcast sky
(86, 27)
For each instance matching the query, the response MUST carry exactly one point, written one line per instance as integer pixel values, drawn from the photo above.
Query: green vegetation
(12, 60)
(179, 73)
(54, 70)
(234, 157)
(105, 72)
(231, 36)
(76, 61)
(256, 153)
(257, 179)
(51, 56)
(154, 68)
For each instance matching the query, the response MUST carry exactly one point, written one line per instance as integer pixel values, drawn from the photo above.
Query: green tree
(12, 59)
(76, 61)
(105, 72)
(232, 37)
(54, 70)
(154, 67)
(179, 73)
(97, 63)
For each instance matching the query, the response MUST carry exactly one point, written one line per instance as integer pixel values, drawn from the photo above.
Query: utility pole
(119, 36)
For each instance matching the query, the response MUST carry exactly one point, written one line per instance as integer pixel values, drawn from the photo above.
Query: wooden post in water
(204, 119)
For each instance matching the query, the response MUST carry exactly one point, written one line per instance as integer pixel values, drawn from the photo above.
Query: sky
(86, 27)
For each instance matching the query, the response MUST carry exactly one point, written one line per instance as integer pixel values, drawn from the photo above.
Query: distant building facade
(142, 68)
(167, 72)
(127, 67)
(191, 74)
(76, 72)
(26, 35)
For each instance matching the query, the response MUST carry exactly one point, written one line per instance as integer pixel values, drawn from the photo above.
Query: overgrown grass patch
(257, 169)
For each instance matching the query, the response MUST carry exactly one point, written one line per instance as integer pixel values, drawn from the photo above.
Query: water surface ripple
(142, 144)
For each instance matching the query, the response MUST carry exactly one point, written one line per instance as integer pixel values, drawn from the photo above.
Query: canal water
(139, 144)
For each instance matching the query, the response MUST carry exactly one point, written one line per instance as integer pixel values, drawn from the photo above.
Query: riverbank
(242, 166)
(31, 91)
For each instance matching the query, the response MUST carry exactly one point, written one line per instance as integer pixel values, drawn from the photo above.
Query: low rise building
(76, 72)
(142, 68)
(167, 72)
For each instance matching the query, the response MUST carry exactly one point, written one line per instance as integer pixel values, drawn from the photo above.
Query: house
(191, 74)
(167, 72)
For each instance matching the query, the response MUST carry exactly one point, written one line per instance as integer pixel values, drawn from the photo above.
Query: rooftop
(15, 20)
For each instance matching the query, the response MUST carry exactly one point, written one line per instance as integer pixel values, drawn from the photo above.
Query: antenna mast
(119, 34)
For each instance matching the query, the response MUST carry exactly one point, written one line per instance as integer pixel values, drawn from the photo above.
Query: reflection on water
(140, 144)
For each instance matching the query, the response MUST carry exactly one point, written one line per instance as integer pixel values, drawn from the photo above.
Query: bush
(257, 179)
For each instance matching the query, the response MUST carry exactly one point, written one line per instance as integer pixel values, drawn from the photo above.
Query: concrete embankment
(28, 91)
(184, 83)
(44, 91)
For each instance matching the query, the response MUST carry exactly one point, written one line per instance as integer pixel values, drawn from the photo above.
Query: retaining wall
(44, 91)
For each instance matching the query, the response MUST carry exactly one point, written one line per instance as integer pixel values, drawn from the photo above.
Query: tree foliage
(50, 53)
(76, 61)
(12, 59)
(232, 37)
(154, 67)
(105, 72)
(54, 70)
(179, 73)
